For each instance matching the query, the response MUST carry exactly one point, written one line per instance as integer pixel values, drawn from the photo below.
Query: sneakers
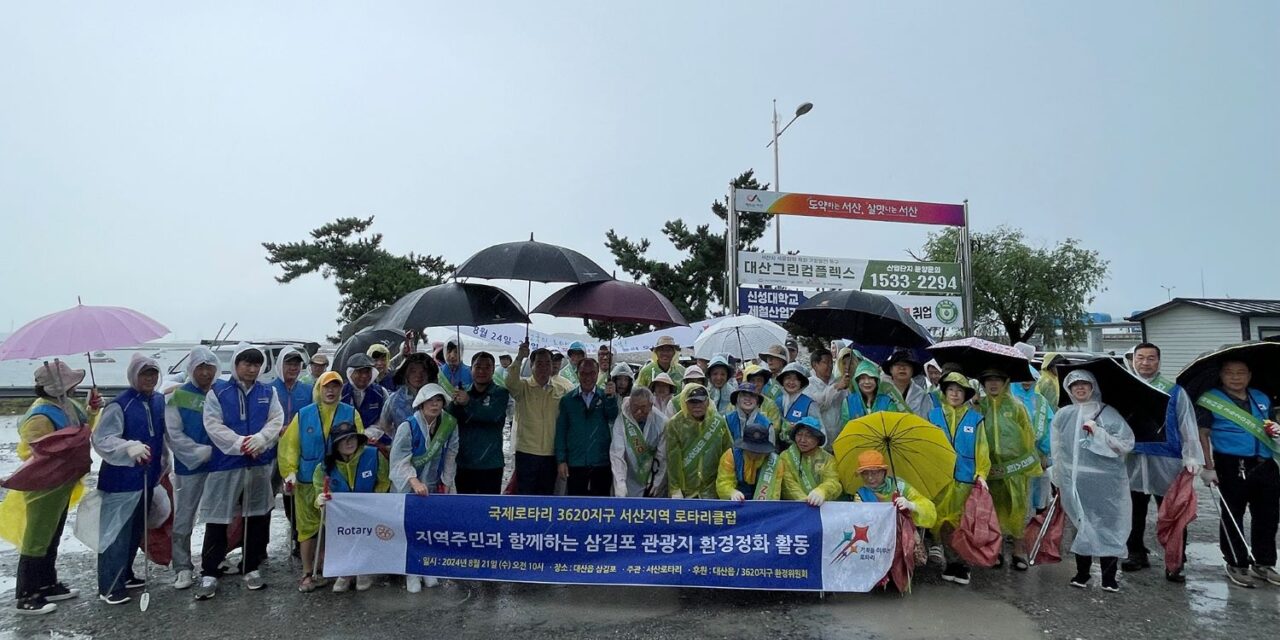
(342, 585)
(413, 584)
(36, 605)
(1240, 577)
(430, 582)
(1265, 574)
(363, 583)
(1111, 586)
(253, 580)
(229, 568)
(936, 556)
(1136, 561)
(59, 592)
(207, 588)
(956, 573)
(184, 580)
(115, 599)
(1080, 581)
(135, 583)
(1175, 577)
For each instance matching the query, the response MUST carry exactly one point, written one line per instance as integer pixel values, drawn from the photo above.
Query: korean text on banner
(796, 271)
(776, 305)
(853, 208)
(843, 546)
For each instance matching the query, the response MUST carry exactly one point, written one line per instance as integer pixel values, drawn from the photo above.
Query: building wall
(1184, 332)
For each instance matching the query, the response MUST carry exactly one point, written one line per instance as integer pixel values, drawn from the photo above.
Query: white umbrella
(742, 337)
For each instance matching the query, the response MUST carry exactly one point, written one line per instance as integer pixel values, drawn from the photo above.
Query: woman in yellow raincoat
(879, 486)
(808, 471)
(697, 438)
(749, 470)
(1014, 460)
(33, 520)
(963, 425)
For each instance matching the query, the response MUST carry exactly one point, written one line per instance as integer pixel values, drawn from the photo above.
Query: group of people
(424, 423)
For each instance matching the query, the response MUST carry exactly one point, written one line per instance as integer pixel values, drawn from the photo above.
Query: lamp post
(800, 110)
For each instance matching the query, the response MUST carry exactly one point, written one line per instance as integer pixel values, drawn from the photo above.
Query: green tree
(366, 274)
(1024, 289)
(695, 283)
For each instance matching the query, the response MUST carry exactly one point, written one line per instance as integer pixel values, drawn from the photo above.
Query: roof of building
(1235, 306)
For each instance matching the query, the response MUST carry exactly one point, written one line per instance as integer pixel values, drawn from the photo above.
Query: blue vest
(735, 423)
(366, 474)
(1229, 438)
(747, 490)
(1172, 445)
(192, 416)
(54, 414)
(418, 440)
(798, 409)
(371, 409)
(313, 444)
(292, 401)
(144, 422)
(965, 442)
(856, 410)
(245, 413)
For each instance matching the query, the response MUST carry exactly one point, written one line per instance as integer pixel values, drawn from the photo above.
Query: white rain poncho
(1152, 474)
(221, 502)
(116, 508)
(627, 472)
(443, 468)
(1090, 473)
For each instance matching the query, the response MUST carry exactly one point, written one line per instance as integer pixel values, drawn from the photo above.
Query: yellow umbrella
(917, 451)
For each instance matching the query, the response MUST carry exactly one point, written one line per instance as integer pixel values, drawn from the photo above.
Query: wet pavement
(998, 604)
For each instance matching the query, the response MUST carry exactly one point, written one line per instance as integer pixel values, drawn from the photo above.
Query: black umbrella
(533, 261)
(369, 319)
(865, 318)
(360, 343)
(453, 304)
(613, 301)
(1263, 359)
(975, 355)
(1140, 404)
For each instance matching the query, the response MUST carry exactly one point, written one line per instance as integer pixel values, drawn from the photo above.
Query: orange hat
(870, 461)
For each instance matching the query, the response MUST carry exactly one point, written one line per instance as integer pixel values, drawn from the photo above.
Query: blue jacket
(245, 413)
(144, 422)
(1229, 438)
(965, 442)
(292, 401)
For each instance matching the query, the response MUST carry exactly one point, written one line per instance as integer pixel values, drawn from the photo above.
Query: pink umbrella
(81, 329)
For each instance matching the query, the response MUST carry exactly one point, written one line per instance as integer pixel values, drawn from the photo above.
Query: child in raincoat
(1090, 442)
(749, 470)
(962, 424)
(808, 471)
(1015, 461)
(36, 518)
(879, 486)
(350, 466)
(302, 451)
(697, 438)
(424, 456)
(870, 396)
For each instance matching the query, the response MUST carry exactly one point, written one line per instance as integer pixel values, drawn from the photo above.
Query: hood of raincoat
(866, 368)
(137, 364)
(240, 349)
(684, 395)
(622, 369)
(284, 353)
(317, 389)
(198, 356)
(1080, 375)
(840, 358)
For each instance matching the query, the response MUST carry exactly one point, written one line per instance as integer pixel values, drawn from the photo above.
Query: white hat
(428, 392)
(57, 378)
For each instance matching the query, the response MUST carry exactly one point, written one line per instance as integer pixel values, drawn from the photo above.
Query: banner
(509, 337)
(853, 208)
(769, 304)
(932, 312)
(843, 546)
(813, 272)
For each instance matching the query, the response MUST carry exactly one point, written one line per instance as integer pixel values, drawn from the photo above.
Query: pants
(589, 481)
(257, 531)
(1109, 566)
(36, 573)
(187, 491)
(479, 481)
(115, 563)
(1252, 484)
(535, 475)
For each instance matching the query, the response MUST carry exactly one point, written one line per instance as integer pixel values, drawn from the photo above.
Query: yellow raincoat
(1014, 459)
(694, 449)
(816, 470)
(28, 519)
(925, 514)
(305, 512)
(950, 503)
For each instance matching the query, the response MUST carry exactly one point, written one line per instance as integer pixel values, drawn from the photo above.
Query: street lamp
(1168, 291)
(800, 110)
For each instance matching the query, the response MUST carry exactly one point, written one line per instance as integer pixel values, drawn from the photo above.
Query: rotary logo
(384, 532)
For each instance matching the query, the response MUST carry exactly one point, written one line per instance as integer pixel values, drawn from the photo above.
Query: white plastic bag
(88, 514)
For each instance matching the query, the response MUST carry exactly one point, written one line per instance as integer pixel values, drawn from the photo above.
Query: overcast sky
(147, 149)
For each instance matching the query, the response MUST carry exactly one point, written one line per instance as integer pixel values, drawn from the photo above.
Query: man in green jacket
(481, 412)
(584, 428)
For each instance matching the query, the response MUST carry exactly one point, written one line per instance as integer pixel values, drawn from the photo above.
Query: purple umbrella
(613, 301)
(81, 329)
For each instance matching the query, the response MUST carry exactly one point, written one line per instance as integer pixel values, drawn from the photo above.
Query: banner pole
(731, 252)
(967, 273)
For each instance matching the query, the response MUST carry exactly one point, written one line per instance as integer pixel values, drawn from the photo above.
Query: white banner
(932, 312)
(806, 272)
